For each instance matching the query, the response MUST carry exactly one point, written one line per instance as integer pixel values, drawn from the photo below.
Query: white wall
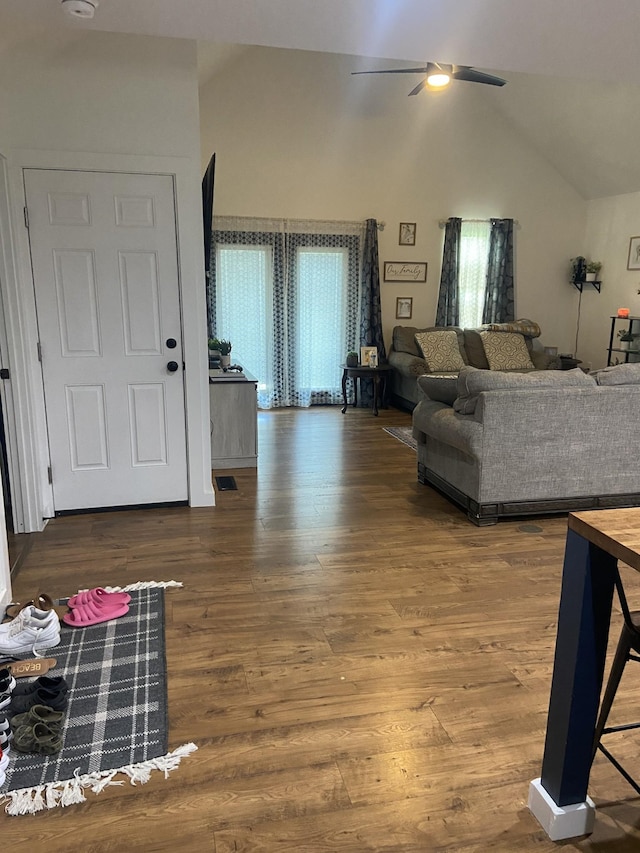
(610, 225)
(102, 101)
(101, 92)
(295, 135)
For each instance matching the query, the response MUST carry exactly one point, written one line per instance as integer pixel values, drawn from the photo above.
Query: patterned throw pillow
(506, 351)
(441, 351)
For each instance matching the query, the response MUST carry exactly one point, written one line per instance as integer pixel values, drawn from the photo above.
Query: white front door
(105, 269)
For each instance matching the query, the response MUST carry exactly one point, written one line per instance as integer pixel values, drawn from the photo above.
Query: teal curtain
(447, 313)
(499, 295)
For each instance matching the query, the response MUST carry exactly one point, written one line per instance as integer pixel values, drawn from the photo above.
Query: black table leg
(344, 390)
(581, 645)
(376, 383)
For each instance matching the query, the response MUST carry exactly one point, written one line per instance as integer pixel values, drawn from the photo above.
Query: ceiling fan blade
(464, 72)
(423, 70)
(421, 85)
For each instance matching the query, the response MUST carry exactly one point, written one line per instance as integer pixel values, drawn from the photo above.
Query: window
(474, 261)
(477, 275)
(287, 299)
(244, 296)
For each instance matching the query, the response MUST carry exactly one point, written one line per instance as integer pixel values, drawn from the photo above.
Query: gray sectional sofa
(408, 362)
(506, 444)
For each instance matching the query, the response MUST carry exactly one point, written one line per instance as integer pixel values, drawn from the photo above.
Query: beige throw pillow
(506, 351)
(440, 350)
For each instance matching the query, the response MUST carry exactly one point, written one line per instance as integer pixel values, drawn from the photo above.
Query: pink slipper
(92, 614)
(100, 597)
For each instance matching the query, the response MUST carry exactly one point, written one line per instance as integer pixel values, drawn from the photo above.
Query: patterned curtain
(499, 297)
(287, 298)
(447, 313)
(370, 307)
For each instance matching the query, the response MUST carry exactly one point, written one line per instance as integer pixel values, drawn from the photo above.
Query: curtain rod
(442, 223)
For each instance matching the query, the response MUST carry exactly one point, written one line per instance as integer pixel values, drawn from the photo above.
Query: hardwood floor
(361, 668)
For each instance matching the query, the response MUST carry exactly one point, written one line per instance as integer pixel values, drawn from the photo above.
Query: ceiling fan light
(438, 80)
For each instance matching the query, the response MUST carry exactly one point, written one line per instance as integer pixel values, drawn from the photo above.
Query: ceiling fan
(439, 75)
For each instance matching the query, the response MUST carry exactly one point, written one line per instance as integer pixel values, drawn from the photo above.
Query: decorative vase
(590, 276)
(225, 361)
(352, 361)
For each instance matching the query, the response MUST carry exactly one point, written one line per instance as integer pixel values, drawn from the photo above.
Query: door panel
(105, 269)
(77, 303)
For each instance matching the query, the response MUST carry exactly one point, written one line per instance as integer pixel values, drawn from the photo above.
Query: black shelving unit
(633, 323)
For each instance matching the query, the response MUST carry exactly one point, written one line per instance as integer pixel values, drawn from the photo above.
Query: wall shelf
(581, 284)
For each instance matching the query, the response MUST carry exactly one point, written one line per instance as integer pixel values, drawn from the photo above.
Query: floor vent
(226, 484)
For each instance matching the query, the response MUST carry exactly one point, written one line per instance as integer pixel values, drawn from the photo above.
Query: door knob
(172, 366)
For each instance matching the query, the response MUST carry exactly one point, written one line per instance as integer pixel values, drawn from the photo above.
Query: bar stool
(629, 642)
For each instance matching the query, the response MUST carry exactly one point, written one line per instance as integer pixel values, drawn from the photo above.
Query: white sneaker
(32, 631)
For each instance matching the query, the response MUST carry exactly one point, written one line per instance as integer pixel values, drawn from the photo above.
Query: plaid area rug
(116, 720)
(403, 434)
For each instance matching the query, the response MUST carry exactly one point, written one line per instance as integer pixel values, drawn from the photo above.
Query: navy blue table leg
(581, 645)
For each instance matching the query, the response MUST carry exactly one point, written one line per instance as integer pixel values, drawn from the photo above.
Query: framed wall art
(633, 261)
(401, 271)
(407, 235)
(404, 307)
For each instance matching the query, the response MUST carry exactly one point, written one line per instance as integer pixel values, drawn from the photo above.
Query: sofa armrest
(438, 421)
(407, 364)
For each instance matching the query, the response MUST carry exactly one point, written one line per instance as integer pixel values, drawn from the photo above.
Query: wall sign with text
(400, 271)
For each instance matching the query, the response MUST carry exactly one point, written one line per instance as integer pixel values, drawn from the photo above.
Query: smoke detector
(80, 8)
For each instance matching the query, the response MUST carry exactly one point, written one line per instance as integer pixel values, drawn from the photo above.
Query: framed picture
(401, 271)
(633, 261)
(404, 307)
(407, 235)
(365, 355)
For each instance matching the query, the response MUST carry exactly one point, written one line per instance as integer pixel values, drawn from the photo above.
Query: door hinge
(4, 373)
(39, 351)
(26, 217)
(50, 475)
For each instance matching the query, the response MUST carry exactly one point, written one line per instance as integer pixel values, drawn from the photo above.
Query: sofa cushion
(404, 338)
(618, 374)
(474, 349)
(441, 350)
(472, 381)
(441, 387)
(506, 351)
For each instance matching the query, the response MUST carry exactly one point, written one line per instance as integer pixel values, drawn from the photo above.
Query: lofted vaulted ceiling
(573, 66)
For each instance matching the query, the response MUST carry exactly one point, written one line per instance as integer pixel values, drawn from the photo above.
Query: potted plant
(626, 338)
(225, 353)
(213, 345)
(592, 270)
(352, 359)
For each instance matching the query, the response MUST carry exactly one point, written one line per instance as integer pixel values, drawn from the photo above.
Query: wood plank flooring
(361, 668)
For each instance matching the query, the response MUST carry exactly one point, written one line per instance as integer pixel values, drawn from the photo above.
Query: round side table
(377, 374)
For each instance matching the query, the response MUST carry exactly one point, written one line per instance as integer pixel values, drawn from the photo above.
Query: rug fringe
(67, 793)
(134, 587)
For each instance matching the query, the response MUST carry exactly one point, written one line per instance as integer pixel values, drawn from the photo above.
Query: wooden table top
(616, 531)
